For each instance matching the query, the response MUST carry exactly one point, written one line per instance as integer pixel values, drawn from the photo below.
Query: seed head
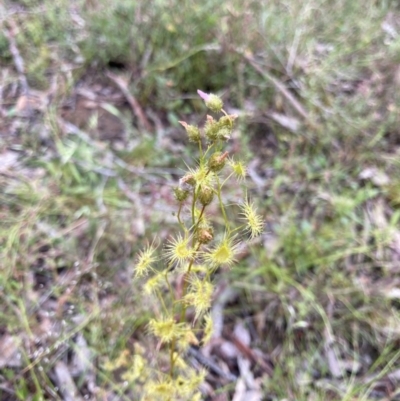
(225, 126)
(208, 329)
(178, 250)
(211, 129)
(224, 253)
(206, 195)
(200, 175)
(180, 194)
(192, 131)
(213, 102)
(239, 169)
(145, 260)
(196, 378)
(188, 179)
(205, 235)
(166, 329)
(162, 390)
(187, 338)
(199, 295)
(137, 369)
(153, 284)
(254, 222)
(217, 161)
(224, 134)
(227, 121)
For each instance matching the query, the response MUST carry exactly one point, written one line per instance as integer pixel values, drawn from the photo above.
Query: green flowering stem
(221, 205)
(198, 222)
(169, 286)
(194, 206)
(227, 179)
(161, 299)
(185, 287)
(172, 359)
(195, 197)
(188, 262)
(183, 309)
(179, 217)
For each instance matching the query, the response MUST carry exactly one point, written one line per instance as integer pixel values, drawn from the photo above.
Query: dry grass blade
(281, 88)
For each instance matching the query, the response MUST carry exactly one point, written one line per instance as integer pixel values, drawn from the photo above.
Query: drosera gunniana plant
(191, 258)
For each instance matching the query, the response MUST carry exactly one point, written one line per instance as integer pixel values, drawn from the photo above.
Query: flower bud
(227, 121)
(211, 129)
(205, 235)
(188, 179)
(213, 102)
(180, 194)
(206, 195)
(224, 133)
(192, 131)
(217, 161)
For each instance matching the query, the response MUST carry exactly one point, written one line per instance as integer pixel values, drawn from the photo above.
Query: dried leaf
(376, 176)
(65, 382)
(9, 354)
(9, 160)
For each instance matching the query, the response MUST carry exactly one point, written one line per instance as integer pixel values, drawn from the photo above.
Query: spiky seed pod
(153, 284)
(228, 120)
(138, 368)
(193, 132)
(199, 295)
(205, 235)
(181, 194)
(206, 195)
(224, 253)
(254, 222)
(210, 119)
(239, 169)
(202, 174)
(188, 179)
(211, 129)
(213, 102)
(178, 250)
(217, 161)
(146, 259)
(207, 329)
(166, 329)
(224, 133)
(159, 390)
(225, 124)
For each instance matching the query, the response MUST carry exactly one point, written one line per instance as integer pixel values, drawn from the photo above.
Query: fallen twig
(250, 354)
(136, 108)
(209, 364)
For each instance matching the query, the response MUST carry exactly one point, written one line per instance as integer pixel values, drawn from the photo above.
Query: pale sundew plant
(182, 278)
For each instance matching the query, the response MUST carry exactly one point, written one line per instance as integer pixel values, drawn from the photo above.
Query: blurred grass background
(84, 185)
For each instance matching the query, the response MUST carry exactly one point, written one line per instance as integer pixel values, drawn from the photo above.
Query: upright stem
(221, 204)
(182, 315)
(184, 290)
